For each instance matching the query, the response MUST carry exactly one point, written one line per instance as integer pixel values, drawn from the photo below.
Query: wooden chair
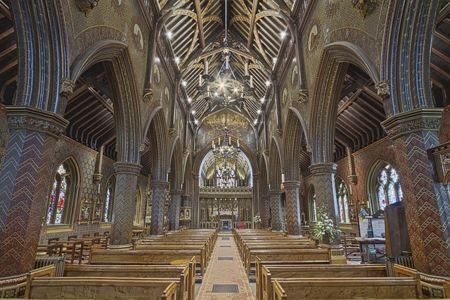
(52, 240)
(72, 237)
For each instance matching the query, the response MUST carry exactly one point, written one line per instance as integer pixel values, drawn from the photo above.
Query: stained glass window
(388, 188)
(342, 197)
(109, 198)
(58, 196)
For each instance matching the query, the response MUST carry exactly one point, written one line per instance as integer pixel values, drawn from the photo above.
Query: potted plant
(257, 221)
(324, 229)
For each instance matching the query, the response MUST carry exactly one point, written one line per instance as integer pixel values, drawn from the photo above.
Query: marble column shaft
(174, 210)
(426, 202)
(159, 189)
(292, 207)
(25, 179)
(275, 207)
(124, 207)
(323, 180)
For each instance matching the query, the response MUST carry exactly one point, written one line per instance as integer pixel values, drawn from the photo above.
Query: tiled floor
(225, 275)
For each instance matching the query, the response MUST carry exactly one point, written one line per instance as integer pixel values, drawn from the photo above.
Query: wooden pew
(430, 286)
(144, 257)
(251, 248)
(274, 241)
(269, 273)
(306, 256)
(186, 288)
(178, 246)
(345, 288)
(15, 286)
(102, 288)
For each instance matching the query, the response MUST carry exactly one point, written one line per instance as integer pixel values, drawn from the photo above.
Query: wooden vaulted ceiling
(254, 35)
(90, 111)
(197, 29)
(8, 55)
(440, 58)
(360, 112)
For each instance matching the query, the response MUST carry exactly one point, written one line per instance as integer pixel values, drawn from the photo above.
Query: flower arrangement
(324, 227)
(257, 219)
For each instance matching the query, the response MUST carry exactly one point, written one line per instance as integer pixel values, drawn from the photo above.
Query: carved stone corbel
(86, 5)
(148, 95)
(303, 95)
(383, 88)
(66, 87)
(365, 7)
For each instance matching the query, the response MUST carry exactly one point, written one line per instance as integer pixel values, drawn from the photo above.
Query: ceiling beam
(252, 23)
(440, 71)
(349, 101)
(441, 55)
(198, 11)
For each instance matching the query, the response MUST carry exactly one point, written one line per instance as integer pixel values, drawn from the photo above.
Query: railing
(209, 225)
(58, 261)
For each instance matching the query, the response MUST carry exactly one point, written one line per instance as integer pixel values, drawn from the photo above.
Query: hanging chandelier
(224, 148)
(226, 88)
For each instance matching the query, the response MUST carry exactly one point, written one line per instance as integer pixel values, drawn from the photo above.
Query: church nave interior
(224, 149)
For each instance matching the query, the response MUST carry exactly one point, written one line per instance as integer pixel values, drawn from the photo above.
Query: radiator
(58, 261)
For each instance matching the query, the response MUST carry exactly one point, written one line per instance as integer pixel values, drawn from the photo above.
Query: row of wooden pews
(269, 246)
(161, 267)
(292, 267)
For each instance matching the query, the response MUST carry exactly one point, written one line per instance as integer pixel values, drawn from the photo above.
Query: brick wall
(85, 158)
(365, 159)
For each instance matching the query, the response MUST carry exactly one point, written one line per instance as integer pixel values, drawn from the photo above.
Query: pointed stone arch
(156, 136)
(126, 100)
(294, 140)
(275, 164)
(335, 60)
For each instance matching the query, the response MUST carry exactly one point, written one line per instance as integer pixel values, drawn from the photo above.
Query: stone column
(159, 189)
(426, 201)
(174, 210)
(265, 211)
(25, 179)
(195, 203)
(292, 207)
(323, 180)
(255, 201)
(124, 207)
(275, 206)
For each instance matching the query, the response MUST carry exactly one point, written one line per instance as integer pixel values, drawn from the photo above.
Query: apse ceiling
(236, 43)
(239, 162)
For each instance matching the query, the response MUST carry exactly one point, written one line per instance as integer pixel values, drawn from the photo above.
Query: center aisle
(225, 277)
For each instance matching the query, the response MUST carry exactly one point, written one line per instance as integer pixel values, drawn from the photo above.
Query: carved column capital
(289, 185)
(323, 168)
(413, 121)
(275, 192)
(127, 168)
(160, 184)
(177, 192)
(36, 120)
